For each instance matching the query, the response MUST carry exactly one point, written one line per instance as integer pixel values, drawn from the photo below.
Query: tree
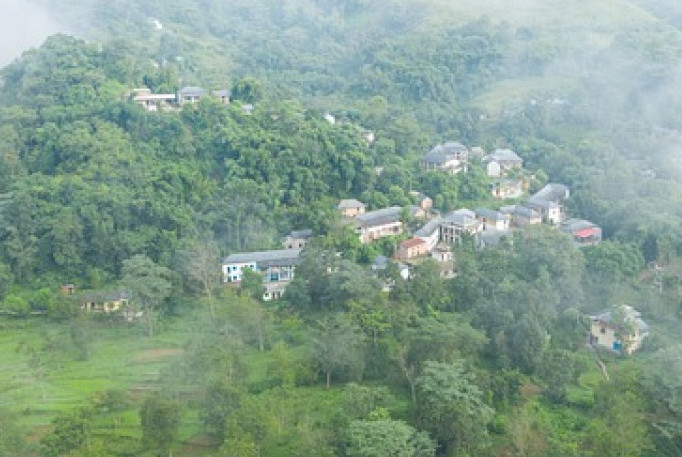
(6, 280)
(247, 90)
(159, 418)
(200, 264)
(450, 407)
(387, 437)
(148, 283)
(12, 442)
(70, 431)
(337, 348)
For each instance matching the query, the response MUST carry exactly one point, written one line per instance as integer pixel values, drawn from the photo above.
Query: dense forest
(98, 192)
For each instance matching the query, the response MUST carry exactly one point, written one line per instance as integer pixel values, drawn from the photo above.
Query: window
(602, 330)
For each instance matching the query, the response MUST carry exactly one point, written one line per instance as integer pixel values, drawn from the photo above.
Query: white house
(276, 267)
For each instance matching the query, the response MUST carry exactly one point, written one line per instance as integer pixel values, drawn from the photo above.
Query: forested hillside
(492, 360)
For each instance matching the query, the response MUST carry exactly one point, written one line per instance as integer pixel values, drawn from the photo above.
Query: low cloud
(23, 25)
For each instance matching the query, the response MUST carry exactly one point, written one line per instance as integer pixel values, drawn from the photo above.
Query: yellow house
(620, 330)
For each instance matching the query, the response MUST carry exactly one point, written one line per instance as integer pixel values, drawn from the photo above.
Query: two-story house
(276, 267)
(451, 157)
(459, 224)
(380, 223)
(500, 161)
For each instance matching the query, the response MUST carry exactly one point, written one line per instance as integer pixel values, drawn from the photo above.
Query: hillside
(480, 349)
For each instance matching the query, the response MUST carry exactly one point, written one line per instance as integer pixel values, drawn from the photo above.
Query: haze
(22, 25)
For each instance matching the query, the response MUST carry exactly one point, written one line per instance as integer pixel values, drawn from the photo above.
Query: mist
(23, 25)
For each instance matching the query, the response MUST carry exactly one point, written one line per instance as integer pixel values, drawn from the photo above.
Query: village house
(423, 207)
(153, 102)
(412, 248)
(522, 216)
(276, 267)
(379, 224)
(500, 161)
(443, 255)
(620, 330)
(190, 94)
(549, 211)
(430, 233)
(351, 207)
(493, 220)
(67, 289)
(584, 232)
(450, 157)
(163, 102)
(459, 224)
(507, 188)
(105, 302)
(222, 95)
(297, 239)
(553, 192)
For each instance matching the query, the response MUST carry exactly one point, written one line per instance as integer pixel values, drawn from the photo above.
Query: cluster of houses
(168, 102)
(438, 232)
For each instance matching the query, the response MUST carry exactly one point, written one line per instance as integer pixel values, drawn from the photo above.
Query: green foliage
(378, 438)
(159, 419)
(71, 431)
(450, 407)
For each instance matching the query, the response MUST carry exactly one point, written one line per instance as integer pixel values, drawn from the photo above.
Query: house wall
(368, 234)
(431, 240)
(233, 272)
(352, 212)
(294, 243)
(493, 169)
(605, 336)
(453, 233)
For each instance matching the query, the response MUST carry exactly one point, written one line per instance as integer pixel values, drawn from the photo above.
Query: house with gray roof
(190, 94)
(276, 267)
(430, 233)
(493, 220)
(553, 192)
(351, 207)
(451, 157)
(457, 224)
(500, 161)
(522, 216)
(380, 223)
(297, 239)
(549, 211)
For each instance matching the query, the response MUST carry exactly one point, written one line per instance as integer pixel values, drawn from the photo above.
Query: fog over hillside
(23, 25)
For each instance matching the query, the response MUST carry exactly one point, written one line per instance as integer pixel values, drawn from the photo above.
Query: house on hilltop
(500, 161)
(620, 330)
(190, 94)
(276, 267)
(451, 157)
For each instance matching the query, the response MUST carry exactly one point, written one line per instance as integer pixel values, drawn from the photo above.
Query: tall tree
(149, 284)
(159, 418)
(200, 264)
(450, 407)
